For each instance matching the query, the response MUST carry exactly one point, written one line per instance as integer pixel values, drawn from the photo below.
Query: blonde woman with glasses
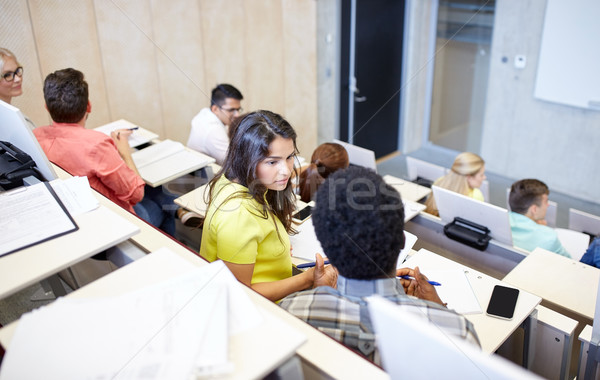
(465, 177)
(11, 79)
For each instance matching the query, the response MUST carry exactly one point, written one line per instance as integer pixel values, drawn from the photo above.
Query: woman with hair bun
(465, 177)
(326, 159)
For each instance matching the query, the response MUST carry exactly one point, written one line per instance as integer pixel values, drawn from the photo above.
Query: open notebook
(167, 160)
(139, 136)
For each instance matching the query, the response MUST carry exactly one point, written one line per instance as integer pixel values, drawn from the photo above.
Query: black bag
(469, 233)
(15, 165)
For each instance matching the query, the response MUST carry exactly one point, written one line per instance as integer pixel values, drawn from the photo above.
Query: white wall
(526, 137)
(523, 136)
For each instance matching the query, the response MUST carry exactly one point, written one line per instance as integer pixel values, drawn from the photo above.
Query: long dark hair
(249, 146)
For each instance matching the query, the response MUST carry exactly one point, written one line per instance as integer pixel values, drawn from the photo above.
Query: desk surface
(559, 280)
(492, 331)
(408, 190)
(174, 166)
(25, 267)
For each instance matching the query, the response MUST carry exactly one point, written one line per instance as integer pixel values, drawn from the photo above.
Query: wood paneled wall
(155, 62)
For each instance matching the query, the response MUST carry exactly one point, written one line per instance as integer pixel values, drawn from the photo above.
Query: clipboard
(32, 215)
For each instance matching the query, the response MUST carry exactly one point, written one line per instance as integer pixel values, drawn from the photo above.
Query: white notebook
(167, 160)
(138, 137)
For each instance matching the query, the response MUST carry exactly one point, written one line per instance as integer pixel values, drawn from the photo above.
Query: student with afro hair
(359, 221)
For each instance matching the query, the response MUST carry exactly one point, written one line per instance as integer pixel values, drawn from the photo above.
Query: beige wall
(155, 62)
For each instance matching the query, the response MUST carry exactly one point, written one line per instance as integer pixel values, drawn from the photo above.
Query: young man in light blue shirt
(528, 201)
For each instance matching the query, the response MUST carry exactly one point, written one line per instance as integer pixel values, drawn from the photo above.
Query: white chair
(418, 168)
(359, 156)
(584, 222)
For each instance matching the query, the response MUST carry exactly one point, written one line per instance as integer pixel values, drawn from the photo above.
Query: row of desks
(492, 331)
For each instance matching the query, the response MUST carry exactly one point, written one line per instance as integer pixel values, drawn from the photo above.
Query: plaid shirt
(342, 313)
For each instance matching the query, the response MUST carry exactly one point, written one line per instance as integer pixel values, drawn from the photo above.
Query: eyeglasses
(9, 76)
(232, 110)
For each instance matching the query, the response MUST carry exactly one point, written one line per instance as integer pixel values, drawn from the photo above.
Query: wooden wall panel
(129, 61)
(264, 55)
(178, 38)
(223, 43)
(155, 63)
(65, 35)
(16, 35)
(300, 71)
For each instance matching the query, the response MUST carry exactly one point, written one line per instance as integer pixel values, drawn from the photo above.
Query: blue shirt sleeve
(592, 255)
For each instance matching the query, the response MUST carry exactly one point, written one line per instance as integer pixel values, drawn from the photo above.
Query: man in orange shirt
(106, 161)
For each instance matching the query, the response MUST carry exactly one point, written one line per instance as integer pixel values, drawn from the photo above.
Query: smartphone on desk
(302, 215)
(503, 302)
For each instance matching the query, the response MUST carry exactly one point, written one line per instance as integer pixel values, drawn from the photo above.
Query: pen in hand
(309, 265)
(412, 278)
(133, 128)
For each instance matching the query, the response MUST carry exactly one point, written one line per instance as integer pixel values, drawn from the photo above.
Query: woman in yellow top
(250, 210)
(465, 177)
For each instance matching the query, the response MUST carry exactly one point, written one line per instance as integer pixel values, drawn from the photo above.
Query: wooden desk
(195, 200)
(492, 331)
(561, 281)
(408, 190)
(30, 265)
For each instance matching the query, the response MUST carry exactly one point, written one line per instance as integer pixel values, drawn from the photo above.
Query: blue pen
(133, 129)
(309, 265)
(411, 278)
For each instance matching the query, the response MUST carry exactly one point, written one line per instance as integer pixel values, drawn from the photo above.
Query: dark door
(377, 68)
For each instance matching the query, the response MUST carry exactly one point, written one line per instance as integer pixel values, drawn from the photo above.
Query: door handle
(360, 99)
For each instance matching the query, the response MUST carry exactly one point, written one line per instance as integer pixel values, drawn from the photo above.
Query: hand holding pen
(125, 131)
(418, 285)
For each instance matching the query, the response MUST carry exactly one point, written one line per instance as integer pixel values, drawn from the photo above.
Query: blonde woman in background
(11, 76)
(465, 177)
(11, 79)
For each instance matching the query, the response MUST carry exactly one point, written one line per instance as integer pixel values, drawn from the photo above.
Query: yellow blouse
(238, 231)
(476, 194)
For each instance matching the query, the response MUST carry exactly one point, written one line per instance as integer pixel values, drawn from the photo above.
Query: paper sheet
(409, 242)
(305, 244)
(30, 215)
(138, 137)
(156, 152)
(75, 193)
(456, 289)
(158, 332)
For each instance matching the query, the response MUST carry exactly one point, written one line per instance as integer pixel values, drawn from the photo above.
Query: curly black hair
(359, 220)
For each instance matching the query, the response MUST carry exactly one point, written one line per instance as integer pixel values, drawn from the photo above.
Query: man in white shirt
(210, 126)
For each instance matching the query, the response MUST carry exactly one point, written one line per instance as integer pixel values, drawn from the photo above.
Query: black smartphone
(303, 214)
(503, 301)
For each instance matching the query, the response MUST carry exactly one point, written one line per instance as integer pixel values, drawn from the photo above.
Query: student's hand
(121, 139)
(405, 282)
(324, 275)
(543, 222)
(420, 288)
